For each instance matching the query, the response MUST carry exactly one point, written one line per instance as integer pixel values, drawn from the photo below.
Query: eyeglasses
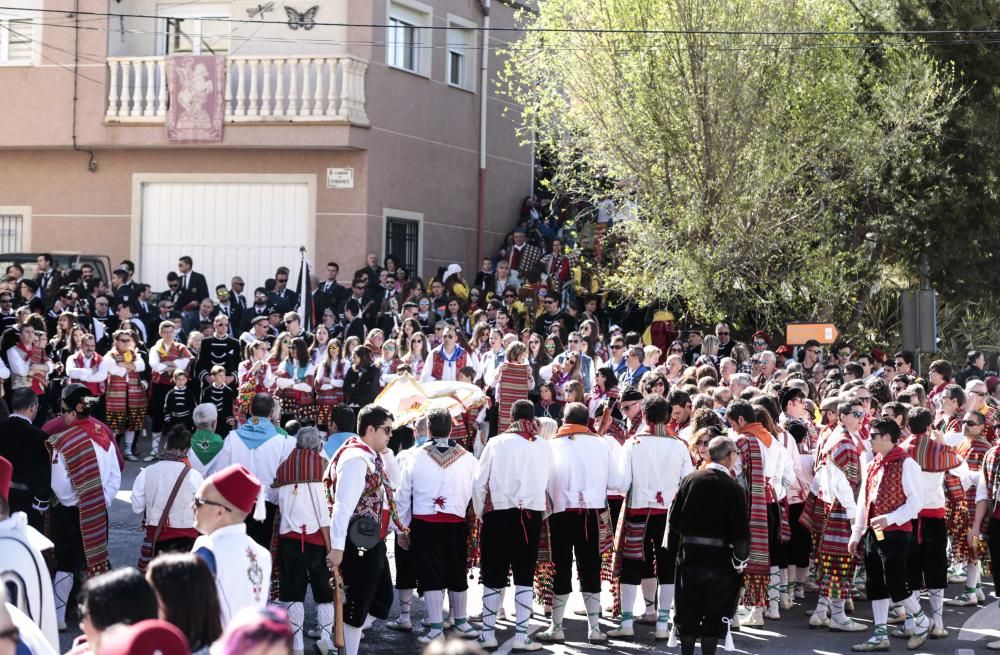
(676, 351)
(758, 342)
(814, 352)
(978, 393)
(574, 341)
(509, 295)
(863, 399)
(449, 336)
(549, 302)
(874, 434)
(385, 428)
(550, 346)
(198, 501)
(359, 288)
(65, 410)
(439, 329)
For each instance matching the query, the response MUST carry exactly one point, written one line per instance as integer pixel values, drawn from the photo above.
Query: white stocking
(666, 602)
(491, 603)
(352, 639)
(129, 440)
(649, 594)
(628, 603)
(405, 601)
(296, 617)
(936, 597)
(522, 613)
(592, 601)
(324, 617)
(434, 606)
(62, 587)
(559, 609)
(457, 601)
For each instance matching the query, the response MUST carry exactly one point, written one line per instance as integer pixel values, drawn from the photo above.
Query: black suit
(485, 282)
(196, 288)
(24, 446)
(328, 294)
(235, 314)
(283, 301)
(214, 351)
(251, 313)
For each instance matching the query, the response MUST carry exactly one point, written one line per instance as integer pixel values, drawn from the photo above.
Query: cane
(337, 584)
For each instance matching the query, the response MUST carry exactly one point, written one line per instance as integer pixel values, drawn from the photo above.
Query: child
(464, 429)
(222, 396)
(179, 404)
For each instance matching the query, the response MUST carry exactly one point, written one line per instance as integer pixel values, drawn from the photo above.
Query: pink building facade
(360, 134)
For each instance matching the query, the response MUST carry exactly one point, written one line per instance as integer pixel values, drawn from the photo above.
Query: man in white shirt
(583, 470)
(25, 374)
(242, 568)
(434, 494)
(445, 361)
(359, 483)
(85, 367)
(513, 475)
(259, 447)
(889, 499)
(653, 463)
(85, 480)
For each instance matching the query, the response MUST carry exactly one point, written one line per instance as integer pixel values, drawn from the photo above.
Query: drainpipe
(484, 74)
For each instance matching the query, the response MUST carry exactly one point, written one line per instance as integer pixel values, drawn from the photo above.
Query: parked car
(63, 261)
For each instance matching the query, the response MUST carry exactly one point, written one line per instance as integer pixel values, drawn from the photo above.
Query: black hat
(631, 393)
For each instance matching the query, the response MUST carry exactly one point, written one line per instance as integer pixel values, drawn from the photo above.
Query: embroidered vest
(175, 351)
(890, 495)
(95, 388)
(30, 381)
(437, 367)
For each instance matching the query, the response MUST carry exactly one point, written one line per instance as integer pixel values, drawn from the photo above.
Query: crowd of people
(705, 482)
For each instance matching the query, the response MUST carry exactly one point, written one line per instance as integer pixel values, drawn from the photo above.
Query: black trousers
(68, 541)
(439, 551)
(367, 584)
(633, 570)
(406, 572)
(798, 549)
(776, 549)
(707, 592)
(302, 565)
(575, 533)
(177, 545)
(927, 565)
(509, 541)
(885, 565)
(261, 531)
(158, 394)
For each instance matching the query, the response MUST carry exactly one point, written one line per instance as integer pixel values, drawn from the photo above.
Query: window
(195, 29)
(16, 36)
(402, 240)
(461, 50)
(406, 35)
(11, 231)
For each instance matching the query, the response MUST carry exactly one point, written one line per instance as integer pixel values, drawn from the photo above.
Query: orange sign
(797, 334)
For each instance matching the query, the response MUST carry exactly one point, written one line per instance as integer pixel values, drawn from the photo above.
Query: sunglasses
(617, 347)
(978, 393)
(722, 334)
(971, 423)
(857, 414)
(704, 442)
(760, 343)
(198, 501)
(900, 362)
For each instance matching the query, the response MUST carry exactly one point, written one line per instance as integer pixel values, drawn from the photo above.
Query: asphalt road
(970, 628)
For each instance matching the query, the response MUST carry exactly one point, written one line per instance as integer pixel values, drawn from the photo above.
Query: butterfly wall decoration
(260, 10)
(306, 19)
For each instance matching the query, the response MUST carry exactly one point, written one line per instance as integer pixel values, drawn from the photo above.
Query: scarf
(256, 431)
(759, 431)
(512, 385)
(206, 445)
(75, 445)
(571, 430)
(457, 358)
(757, 573)
(523, 428)
(932, 455)
(444, 452)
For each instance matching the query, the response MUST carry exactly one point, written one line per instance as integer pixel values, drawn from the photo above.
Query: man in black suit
(47, 278)
(193, 286)
(173, 292)
(220, 349)
(329, 292)
(205, 312)
(371, 270)
(260, 307)
(23, 445)
(282, 298)
(229, 308)
(236, 286)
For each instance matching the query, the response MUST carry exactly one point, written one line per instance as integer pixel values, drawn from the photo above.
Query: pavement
(970, 628)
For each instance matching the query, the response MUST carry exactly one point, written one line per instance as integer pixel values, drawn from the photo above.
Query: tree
(749, 141)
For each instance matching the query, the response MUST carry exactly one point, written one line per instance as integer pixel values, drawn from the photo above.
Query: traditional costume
(839, 478)
(85, 480)
(163, 361)
(434, 496)
(357, 485)
(927, 566)
(510, 497)
(242, 568)
(295, 389)
(583, 470)
(88, 371)
(298, 547)
(23, 573)
(988, 491)
(513, 382)
(890, 489)
(973, 451)
(441, 365)
(329, 389)
(709, 516)
(224, 399)
(164, 494)
(126, 401)
(21, 358)
(205, 447)
(250, 384)
(653, 463)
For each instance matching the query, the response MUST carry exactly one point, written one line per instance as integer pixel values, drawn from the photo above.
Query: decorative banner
(408, 399)
(197, 105)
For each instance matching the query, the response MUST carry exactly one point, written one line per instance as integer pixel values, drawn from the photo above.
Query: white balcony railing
(258, 89)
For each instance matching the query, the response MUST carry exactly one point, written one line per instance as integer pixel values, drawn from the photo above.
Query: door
(247, 228)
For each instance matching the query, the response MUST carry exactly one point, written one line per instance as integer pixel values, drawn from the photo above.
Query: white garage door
(241, 227)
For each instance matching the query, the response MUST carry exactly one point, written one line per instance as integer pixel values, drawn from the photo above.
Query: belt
(704, 541)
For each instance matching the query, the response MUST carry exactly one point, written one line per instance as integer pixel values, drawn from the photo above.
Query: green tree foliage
(754, 163)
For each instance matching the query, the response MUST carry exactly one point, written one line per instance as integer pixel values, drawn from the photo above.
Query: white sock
(973, 577)
(774, 589)
(838, 613)
(666, 603)
(936, 597)
(559, 609)
(522, 613)
(324, 617)
(434, 607)
(61, 587)
(880, 611)
(823, 606)
(405, 601)
(156, 442)
(352, 639)
(915, 616)
(129, 439)
(369, 620)
(296, 617)
(457, 601)
(783, 577)
(629, 592)
(649, 594)
(491, 603)
(592, 601)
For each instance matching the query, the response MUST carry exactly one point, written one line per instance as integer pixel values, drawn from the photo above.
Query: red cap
(238, 486)
(784, 350)
(6, 471)
(878, 355)
(760, 334)
(150, 637)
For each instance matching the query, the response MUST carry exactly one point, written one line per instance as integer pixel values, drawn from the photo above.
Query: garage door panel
(228, 228)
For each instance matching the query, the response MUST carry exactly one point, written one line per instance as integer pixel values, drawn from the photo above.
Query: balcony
(258, 90)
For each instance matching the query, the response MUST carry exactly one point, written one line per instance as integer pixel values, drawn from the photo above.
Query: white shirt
(982, 491)
(905, 512)
(652, 469)
(107, 465)
(449, 371)
(110, 367)
(86, 373)
(832, 481)
(583, 471)
(152, 488)
(158, 366)
(18, 364)
(777, 468)
(263, 461)
(349, 476)
(242, 569)
(428, 489)
(514, 471)
(303, 507)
